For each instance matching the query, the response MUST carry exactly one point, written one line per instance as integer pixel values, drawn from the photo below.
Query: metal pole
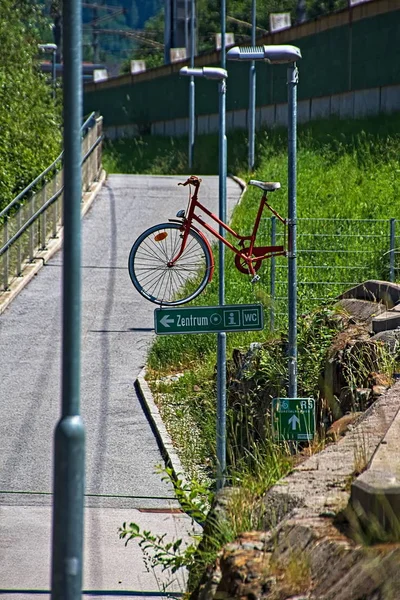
(292, 80)
(186, 28)
(19, 247)
(252, 91)
(223, 31)
(95, 36)
(392, 245)
(273, 276)
(32, 228)
(221, 340)
(69, 450)
(191, 87)
(301, 11)
(167, 31)
(42, 220)
(6, 258)
(54, 73)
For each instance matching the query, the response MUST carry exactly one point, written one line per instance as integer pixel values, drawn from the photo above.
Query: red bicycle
(171, 263)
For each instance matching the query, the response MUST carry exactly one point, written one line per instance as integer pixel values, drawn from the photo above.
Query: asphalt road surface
(121, 451)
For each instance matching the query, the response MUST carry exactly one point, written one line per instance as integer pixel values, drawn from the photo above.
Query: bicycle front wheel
(161, 283)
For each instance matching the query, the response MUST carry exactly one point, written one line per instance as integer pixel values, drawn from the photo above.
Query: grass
(346, 170)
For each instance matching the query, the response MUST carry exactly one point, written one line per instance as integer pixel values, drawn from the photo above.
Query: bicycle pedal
(255, 279)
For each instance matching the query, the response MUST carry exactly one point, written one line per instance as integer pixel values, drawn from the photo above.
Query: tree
(29, 119)
(317, 8)
(238, 21)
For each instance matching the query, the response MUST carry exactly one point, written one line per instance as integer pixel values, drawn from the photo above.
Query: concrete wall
(357, 104)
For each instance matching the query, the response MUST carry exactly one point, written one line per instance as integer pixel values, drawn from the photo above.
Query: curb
(168, 451)
(375, 494)
(241, 183)
(53, 246)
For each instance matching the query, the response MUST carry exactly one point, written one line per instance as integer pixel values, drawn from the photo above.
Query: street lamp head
(205, 72)
(191, 72)
(48, 47)
(272, 54)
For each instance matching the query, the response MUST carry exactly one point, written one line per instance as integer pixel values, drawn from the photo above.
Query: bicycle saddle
(267, 186)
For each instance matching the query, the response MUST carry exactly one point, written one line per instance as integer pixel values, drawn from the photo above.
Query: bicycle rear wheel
(163, 284)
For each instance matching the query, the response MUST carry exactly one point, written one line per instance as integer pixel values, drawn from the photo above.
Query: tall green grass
(346, 169)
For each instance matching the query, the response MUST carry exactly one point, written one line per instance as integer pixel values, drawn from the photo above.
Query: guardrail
(34, 217)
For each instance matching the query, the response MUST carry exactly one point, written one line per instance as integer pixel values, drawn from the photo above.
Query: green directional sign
(293, 419)
(209, 319)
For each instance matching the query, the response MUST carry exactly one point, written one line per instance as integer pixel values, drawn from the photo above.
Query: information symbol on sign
(232, 318)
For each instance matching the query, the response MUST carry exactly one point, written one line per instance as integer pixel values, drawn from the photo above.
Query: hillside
(108, 26)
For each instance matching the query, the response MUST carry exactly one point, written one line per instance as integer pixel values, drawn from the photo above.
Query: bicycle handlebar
(192, 180)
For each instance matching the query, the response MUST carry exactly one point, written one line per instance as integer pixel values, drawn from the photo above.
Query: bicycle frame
(250, 254)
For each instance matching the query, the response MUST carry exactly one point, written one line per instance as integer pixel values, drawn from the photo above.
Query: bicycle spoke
(170, 279)
(152, 277)
(158, 293)
(163, 247)
(174, 250)
(175, 284)
(151, 249)
(180, 278)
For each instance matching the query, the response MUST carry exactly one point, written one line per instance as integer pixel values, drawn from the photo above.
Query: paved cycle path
(121, 451)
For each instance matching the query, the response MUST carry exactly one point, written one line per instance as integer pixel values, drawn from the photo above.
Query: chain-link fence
(332, 256)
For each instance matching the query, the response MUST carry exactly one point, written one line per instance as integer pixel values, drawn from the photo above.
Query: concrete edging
(53, 246)
(375, 494)
(241, 183)
(163, 438)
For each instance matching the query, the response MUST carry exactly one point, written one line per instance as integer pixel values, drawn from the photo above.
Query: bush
(29, 119)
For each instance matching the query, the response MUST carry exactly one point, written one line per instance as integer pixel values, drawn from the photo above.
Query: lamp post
(69, 436)
(252, 92)
(301, 11)
(220, 75)
(53, 49)
(192, 86)
(285, 54)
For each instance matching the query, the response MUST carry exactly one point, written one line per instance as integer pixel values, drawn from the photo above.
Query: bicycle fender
(207, 243)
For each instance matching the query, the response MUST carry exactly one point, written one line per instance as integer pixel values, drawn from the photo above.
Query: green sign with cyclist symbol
(293, 419)
(208, 319)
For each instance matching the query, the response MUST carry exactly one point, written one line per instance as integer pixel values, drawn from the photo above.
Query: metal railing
(35, 216)
(332, 256)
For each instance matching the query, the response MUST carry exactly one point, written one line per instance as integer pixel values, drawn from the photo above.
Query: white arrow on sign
(166, 321)
(294, 421)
